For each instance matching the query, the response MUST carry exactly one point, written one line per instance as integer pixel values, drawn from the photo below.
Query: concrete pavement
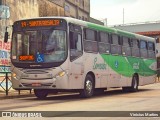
(11, 93)
(15, 93)
(24, 93)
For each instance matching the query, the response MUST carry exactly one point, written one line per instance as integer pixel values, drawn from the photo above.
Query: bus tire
(134, 86)
(88, 90)
(40, 93)
(99, 91)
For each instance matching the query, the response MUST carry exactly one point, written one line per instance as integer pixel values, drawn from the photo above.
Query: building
(95, 21)
(151, 29)
(23, 9)
(79, 9)
(51, 7)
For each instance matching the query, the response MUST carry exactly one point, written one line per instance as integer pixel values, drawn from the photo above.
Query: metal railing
(5, 80)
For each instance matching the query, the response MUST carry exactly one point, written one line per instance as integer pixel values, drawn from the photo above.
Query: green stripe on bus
(111, 30)
(127, 66)
(98, 27)
(126, 34)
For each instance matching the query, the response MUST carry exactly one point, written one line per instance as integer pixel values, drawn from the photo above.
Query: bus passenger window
(115, 45)
(75, 45)
(103, 45)
(151, 50)
(135, 48)
(126, 50)
(90, 41)
(143, 49)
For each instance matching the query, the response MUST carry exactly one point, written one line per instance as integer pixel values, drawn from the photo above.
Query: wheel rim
(135, 83)
(89, 86)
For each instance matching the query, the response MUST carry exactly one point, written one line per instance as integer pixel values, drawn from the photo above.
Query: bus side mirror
(157, 52)
(157, 40)
(6, 37)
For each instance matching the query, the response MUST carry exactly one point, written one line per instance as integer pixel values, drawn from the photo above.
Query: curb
(25, 93)
(15, 94)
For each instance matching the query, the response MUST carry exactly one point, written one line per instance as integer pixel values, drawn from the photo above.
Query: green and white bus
(52, 54)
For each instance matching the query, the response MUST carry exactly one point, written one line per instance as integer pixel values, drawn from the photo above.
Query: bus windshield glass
(39, 45)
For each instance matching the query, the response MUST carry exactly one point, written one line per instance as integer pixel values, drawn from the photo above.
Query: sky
(135, 11)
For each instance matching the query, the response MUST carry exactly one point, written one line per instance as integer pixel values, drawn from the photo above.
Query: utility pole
(0, 2)
(105, 22)
(123, 16)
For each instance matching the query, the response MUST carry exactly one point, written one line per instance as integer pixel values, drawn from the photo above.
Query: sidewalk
(15, 94)
(12, 93)
(25, 93)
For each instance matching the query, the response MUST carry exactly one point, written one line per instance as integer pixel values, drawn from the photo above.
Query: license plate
(36, 84)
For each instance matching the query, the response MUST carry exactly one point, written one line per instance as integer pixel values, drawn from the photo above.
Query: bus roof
(99, 27)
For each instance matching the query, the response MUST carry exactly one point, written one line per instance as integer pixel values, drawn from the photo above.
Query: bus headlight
(61, 74)
(15, 76)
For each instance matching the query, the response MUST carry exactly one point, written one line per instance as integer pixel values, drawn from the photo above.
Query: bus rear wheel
(134, 86)
(88, 90)
(40, 93)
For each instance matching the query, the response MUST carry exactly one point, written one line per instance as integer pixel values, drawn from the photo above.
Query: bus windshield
(39, 46)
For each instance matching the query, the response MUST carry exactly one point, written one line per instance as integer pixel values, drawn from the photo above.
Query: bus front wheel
(40, 93)
(88, 90)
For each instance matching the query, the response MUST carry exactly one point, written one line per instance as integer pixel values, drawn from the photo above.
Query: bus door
(76, 59)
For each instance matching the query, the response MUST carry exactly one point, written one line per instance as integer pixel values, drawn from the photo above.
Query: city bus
(61, 54)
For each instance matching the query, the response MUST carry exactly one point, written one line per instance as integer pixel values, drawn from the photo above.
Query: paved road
(147, 99)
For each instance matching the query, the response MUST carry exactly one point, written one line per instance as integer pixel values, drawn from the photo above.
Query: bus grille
(30, 85)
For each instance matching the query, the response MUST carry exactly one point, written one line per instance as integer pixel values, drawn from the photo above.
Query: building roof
(148, 28)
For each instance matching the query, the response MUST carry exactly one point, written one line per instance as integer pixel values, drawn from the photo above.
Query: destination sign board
(39, 23)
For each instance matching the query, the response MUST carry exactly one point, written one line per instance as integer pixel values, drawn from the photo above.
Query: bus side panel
(149, 71)
(76, 72)
(95, 64)
(118, 70)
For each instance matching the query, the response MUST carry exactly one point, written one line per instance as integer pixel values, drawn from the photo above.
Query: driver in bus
(52, 51)
(51, 44)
